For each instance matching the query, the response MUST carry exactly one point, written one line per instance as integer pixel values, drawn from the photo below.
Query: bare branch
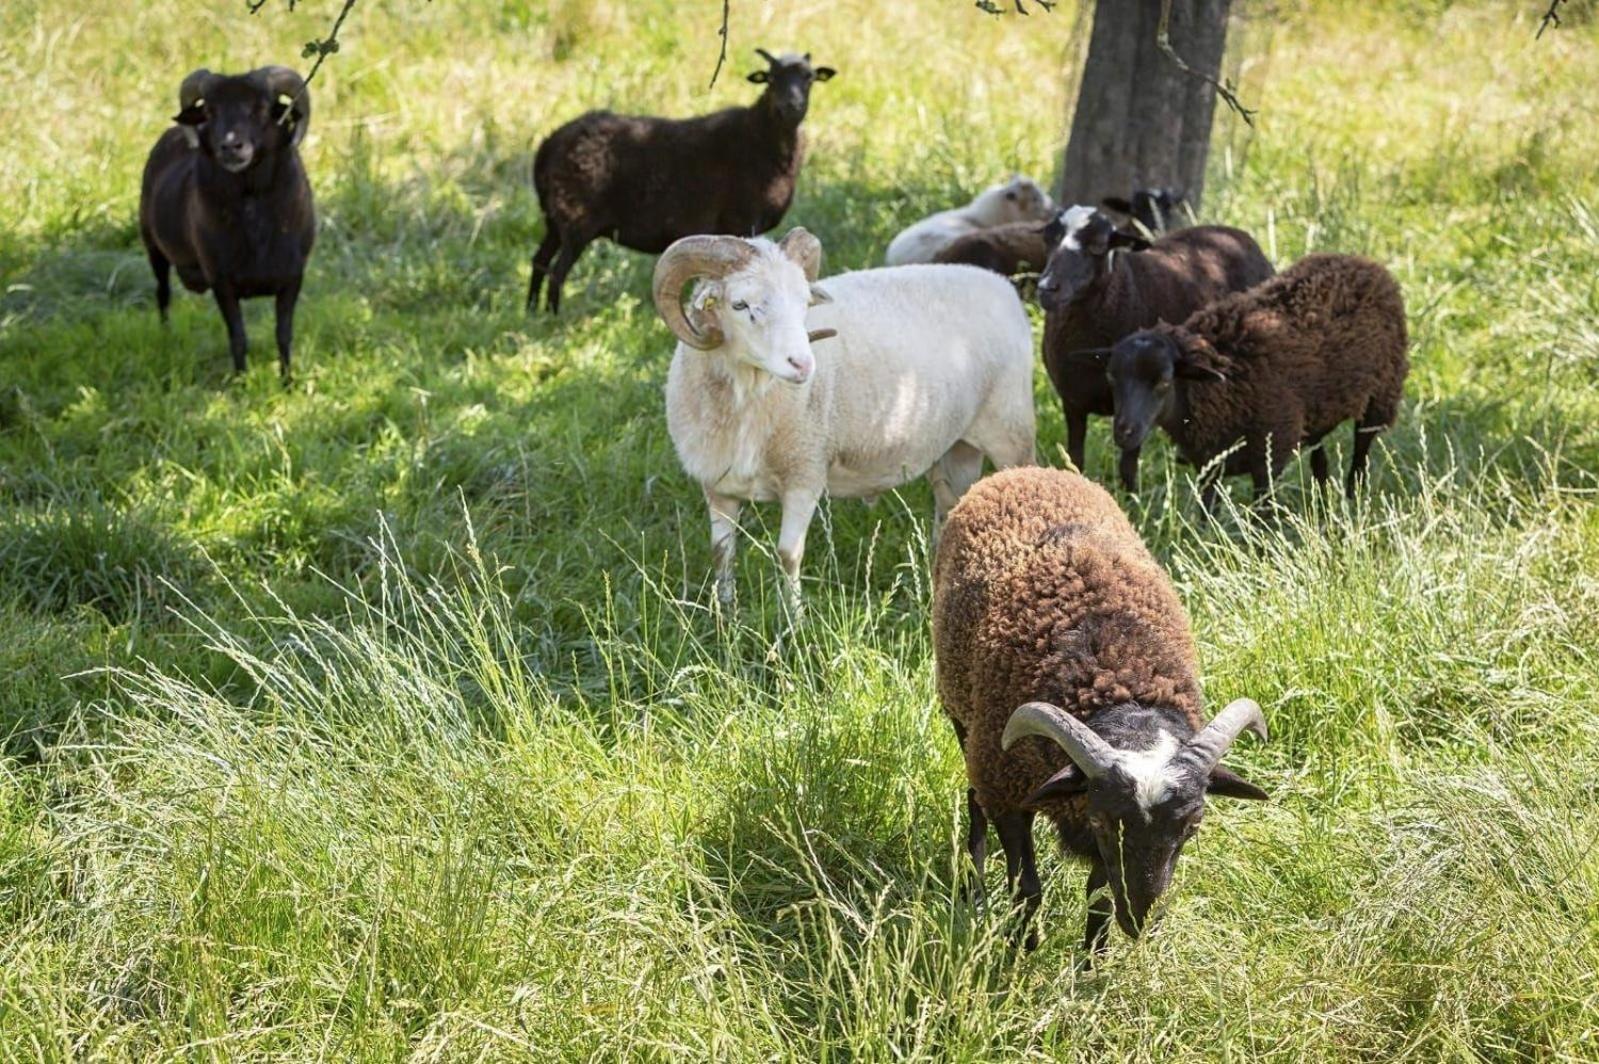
(992, 8)
(321, 49)
(721, 56)
(1550, 18)
(1224, 88)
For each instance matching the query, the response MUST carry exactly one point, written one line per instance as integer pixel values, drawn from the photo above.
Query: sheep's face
(1080, 241)
(1144, 370)
(760, 311)
(1141, 814)
(1015, 200)
(236, 123)
(788, 79)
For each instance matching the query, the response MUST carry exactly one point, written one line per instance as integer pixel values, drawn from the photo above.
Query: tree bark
(1141, 121)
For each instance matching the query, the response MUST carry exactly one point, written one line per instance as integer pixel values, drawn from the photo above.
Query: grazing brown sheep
(1276, 368)
(1093, 294)
(1066, 665)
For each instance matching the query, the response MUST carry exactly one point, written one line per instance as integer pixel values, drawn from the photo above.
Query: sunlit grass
(388, 716)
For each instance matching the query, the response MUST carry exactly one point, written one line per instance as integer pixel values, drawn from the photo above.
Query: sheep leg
(1318, 465)
(799, 506)
(1076, 437)
(228, 303)
(570, 250)
(1021, 870)
(1366, 430)
(1128, 468)
(951, 476)
(163, 280)
(541, 264)
(724, 511)
(1097, 926)
(286, 299)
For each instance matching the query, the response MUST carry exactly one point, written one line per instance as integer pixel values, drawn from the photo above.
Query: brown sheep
(1094, 293)
(1066, 666)
(1017, 247)
(1276, 368)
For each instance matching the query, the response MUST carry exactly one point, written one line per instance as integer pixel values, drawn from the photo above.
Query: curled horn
(1205, 750)
(281, 81)
(768, 56)
(194, 88)
(1087, 750)
(691, 257)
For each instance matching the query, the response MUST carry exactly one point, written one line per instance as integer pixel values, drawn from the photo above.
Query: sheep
(645, 182)
(1016, 200)
(225, 199)
(1154, 209)
(1065, 663)
(923, 369)
(1277, 368)
(1092, 298)
(1011, 249)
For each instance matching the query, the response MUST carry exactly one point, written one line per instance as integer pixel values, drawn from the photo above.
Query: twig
(1550, 18)
(1021, 8)
(1224, 89)
(721, 57)
(322, 48)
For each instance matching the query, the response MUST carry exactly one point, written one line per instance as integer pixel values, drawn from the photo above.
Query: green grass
(385, 717)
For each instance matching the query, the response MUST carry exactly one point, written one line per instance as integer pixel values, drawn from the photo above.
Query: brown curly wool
(1319, 344)
(1042, 591)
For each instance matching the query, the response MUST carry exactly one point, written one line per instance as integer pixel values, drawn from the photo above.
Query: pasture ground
(384, 717)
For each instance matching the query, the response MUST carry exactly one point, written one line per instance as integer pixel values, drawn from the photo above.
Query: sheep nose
(801, 366)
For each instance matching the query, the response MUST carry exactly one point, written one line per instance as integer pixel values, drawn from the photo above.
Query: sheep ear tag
(1068, 781)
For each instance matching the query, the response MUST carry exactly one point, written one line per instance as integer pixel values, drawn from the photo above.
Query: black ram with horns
(225, 200)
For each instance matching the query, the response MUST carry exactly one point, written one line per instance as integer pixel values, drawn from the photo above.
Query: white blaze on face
(1151, 770)
(1074, 220)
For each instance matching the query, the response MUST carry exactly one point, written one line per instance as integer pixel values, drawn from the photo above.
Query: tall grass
(387, 716)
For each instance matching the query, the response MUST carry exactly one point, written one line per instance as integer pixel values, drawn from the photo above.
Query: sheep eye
(739, 304)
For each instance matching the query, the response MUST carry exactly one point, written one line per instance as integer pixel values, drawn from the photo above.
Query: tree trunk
(1141, 121)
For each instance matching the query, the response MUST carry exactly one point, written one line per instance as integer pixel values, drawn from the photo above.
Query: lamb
(1154, 209)
(1016, 200)
(645, 182)
(923, 369)
(1008, 250)
(1092, 298)
(1277, 367)
(226, 200)
(1066, 666)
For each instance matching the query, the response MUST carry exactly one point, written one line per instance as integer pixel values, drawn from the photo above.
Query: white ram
(1016, 200)
(915, 369)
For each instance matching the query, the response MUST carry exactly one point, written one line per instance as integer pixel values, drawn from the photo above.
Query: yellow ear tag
(710, 303)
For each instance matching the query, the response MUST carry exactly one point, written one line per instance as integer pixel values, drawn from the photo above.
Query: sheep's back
(1043, 591)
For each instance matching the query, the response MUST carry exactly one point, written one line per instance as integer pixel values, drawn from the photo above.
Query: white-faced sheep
(1016, 200)
(1275, 368)
(1066, 665)
(915, 369)
(645, 182)
(1102, 283)
(225, 200)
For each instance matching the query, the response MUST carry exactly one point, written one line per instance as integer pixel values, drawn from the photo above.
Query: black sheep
(225, 199)
(1275, 368)
(1153, 208)
(647, 182)
(1093, 298)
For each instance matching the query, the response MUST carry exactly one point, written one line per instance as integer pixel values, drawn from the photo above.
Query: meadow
(385, 717)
